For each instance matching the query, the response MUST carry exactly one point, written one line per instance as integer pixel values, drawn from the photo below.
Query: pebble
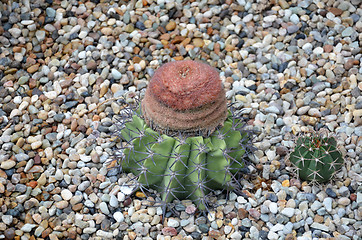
(104, 208)
(116, 74)
(27, 227)
(118, 216)
(289, 212)
(66, 194)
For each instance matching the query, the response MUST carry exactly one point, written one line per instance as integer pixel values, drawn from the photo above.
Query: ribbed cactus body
(184, 167)
(316, 158)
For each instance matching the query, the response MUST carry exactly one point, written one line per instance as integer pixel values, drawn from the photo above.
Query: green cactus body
(316, 158)
(184, 167)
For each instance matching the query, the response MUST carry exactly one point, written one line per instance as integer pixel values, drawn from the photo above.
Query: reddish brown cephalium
(185, 96)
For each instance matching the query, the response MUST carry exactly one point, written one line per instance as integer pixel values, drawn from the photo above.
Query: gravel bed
(290, 66)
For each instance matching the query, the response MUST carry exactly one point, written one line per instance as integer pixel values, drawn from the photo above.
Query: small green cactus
(182, 140)
(316, 158)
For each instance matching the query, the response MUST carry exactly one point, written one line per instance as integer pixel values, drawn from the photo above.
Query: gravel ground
(290, 66)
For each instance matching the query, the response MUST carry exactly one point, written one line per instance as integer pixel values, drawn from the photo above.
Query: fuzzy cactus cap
(185, 96)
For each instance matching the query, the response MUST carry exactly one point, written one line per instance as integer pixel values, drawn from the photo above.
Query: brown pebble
(32, 184)
(231, 215)
(3, 174)
(177, 39)
(335, 11)
(72, 234)
(32, 83)
(92, 65)
(46, 232)
(73, 125)
(282, 150)
(318, 218)
(178, 58)
(217, 48)
(309, 120)
(89, 131)
(214, 234)
(77, 207)
(229, 48)
(350, 62)
(132, 235)
(65, 145)
(328, 48)
(242, 213)
(66, 83)
(33, 68)
(165, 36)
(58, 100)
(171, 26)
(290, 237)
(198, 42)
(137, 59)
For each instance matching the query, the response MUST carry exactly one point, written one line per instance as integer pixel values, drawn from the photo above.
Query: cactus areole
(184, 142)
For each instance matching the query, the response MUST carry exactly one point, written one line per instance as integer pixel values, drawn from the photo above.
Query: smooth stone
(27, 227)
(113, 201)
(116, 74)
(173, 223)
(66, 194)
(104, 208)
(327, 202)
(7, 219)
(40, 35)
(347, 32)
(289, 212)
(118, 216)
(7, 164)
(50, 12)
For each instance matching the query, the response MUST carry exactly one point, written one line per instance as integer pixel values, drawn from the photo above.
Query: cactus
(316, 158)
(182, 141)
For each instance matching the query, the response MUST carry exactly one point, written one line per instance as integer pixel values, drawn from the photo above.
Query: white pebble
(118, 216)
(66, 194)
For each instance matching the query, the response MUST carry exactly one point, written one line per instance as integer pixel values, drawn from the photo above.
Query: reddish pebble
(328, 48)
(190, 209)
(353, 197)
(254, 213)
(127, 202)
(169, 231)
(8, 84)
(37, 159)
(32, 184)
(335, 11)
